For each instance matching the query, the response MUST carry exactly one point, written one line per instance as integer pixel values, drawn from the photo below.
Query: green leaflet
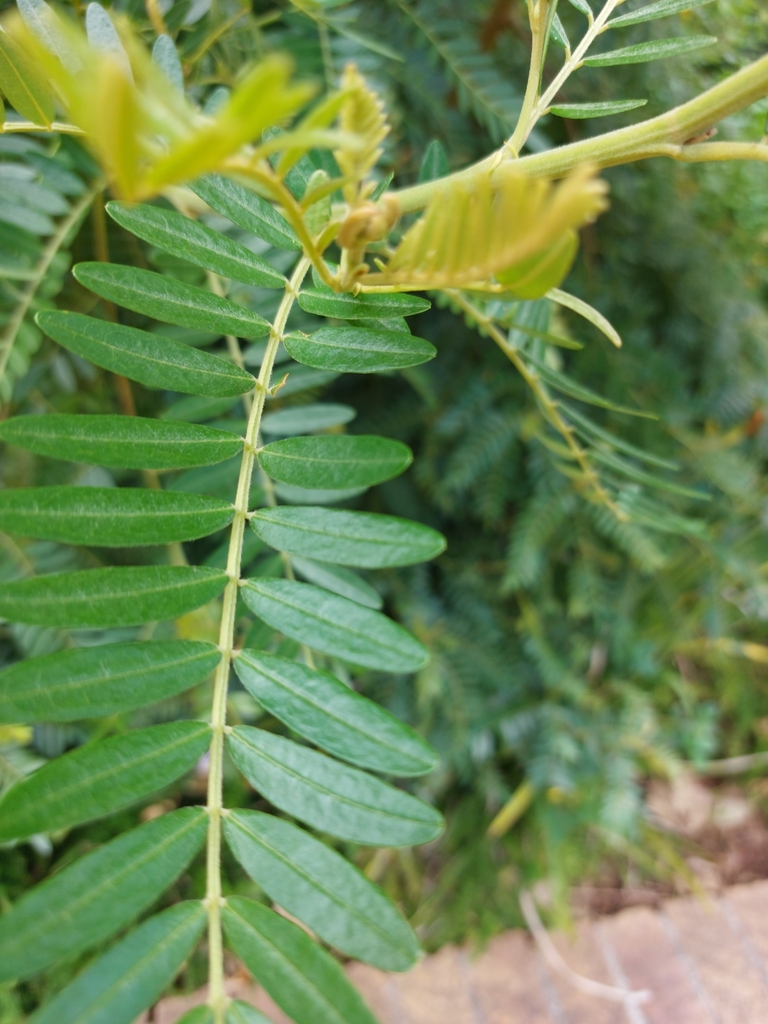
(306, 419)
(334, 625)
(116, 988)
(335, 462)
(588, 312)
(304, 980)
(573, 389)
(322, 889)
(316, 495)
(330, 796)
(357, 307)
(199, 408)
(582, 6)
(620, 465)
(23, 85)
(110, 516)
(101, 777)
(247, 210)
(365, 539)
(662, 9)
(584, 110)
(123, 442)
(117, 596)
(196, 243)
(321, 708)
(590, 430)
(338, 580)
(92, 682)
(90, 900)
(239, 1012)
(174, 302)
(166, 57)
(359, 349)
(656, 49)
(558, 34)
(147, 358)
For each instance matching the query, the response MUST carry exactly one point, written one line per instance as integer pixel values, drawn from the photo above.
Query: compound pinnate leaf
(101, 777)
(359, 349)
(23, 85)
(330, 796)
(122, 442)
(580, 111)
(116, 596)
(306, 419)
(110, 516)
(91, 682)
(116, 988)
(90, 900)
(365, 539)
(335, 462)
(169, 300)
(239, 1012)
(361, 307)
(304, 980)
(662, 9)
(322, 889)
(334, 625)
(338, 580)
(656, 49)
(176, 234)
(247, 210)
(321, 708)
(147, 358)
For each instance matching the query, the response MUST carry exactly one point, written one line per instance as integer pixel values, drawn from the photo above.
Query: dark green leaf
(321, 708)
(365, 539)
(201, 1015)
(359, 349)
(116, 596)
(247, 210)
(354, 307)
(656, 49)
(101, 777)
(144, 357)
(199, 408)
(116, 988)
(580, 111)
(306, 419)
(334, 625)
(335, 462)
(662, 9)
(570, 387)
(322, 889)
(304, 980)
(582, 6)
(591, 430)
(167, 299)
(110, 516)
(90, 900)
(558, 34)
(126, 442)
(92, 682)
(330, 796)
(338, 580)
(239, 1012)
(196, 243)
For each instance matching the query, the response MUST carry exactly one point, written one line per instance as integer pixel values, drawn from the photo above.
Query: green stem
(539, 21)
(217, 998)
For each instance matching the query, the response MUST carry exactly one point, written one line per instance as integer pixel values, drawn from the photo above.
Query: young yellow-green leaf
(326, 711)
(196, 243)
(172, 301)
(92, 682)
(662, 9)
(330, 796)
(338, 580)
(247, 210)
(364, 306)
(100, 778)
(365, 539)
(122, 983)
(334, 625)
(322, 889)
(110, 516)
(335, 462)
(581, 111)
(359, 349)
(147, 358)
(304, 980)
(116, 596)
(23, 85)
(239, 1012)
(306, 419)
(655, 49)
(88, 901)
(122, 442)
(588, 312)
(533, 277)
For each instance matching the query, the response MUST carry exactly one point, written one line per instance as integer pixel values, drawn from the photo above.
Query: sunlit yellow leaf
(23, 84)
(362, 116)
(533, 277)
